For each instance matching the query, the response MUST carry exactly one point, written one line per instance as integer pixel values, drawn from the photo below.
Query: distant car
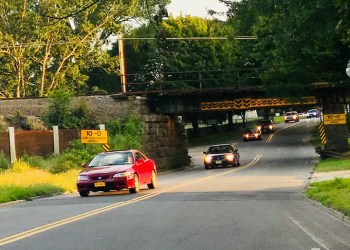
(292, 116)
(117, 170)
(313, 113)
(221, 155)
(266, 126)
(252, 135)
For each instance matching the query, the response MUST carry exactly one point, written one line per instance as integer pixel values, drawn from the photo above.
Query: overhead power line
(193, 38)
(4, 46)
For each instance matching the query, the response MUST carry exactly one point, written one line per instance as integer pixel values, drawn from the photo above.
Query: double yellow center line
(271, 135)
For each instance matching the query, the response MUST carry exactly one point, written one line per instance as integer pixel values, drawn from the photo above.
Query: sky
(195, 7)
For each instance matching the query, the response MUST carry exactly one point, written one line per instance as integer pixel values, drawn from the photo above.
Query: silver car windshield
(118, 158)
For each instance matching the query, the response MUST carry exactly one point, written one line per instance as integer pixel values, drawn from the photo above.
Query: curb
(329, 211)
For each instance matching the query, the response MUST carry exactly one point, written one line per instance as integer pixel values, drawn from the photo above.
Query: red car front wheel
(136, 187)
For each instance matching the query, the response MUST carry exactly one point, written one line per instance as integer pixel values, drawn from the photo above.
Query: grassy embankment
(335, 193)
(23, 182)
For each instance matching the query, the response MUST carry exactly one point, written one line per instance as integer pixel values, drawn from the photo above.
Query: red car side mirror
(84, 165)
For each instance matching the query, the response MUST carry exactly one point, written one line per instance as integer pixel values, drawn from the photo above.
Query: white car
(313, 113)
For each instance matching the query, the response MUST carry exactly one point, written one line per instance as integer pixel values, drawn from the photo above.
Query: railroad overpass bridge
(178, 102)
(331, 98)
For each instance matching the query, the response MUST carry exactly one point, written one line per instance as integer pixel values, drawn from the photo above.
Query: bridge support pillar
(336, 134)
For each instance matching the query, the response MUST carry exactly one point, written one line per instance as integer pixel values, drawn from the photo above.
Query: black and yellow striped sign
(322, 133)
(105, 147)
(249, 103)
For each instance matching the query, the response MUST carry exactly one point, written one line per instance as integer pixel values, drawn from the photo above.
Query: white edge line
(311, 235)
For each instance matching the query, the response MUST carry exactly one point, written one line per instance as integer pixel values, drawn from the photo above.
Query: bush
(74, 156)
(4, 162)
(35, 161)
(61, 114)
(124, 134)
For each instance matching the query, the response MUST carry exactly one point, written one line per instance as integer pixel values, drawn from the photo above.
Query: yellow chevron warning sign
(322, 133)
(249, 103)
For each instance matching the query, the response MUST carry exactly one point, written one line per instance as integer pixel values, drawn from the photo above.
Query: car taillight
(230, 157)
(208, 159)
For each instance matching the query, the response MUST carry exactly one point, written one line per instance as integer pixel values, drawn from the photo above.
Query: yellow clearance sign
(94, 136)
(334, 119)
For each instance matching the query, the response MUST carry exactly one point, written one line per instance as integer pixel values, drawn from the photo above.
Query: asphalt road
(259, 205)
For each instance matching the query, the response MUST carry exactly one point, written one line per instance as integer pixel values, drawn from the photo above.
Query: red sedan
(117, 170)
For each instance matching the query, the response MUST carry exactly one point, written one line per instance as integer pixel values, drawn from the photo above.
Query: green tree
(343, 25)
(297, 43)
(47, 45)
(167, 62)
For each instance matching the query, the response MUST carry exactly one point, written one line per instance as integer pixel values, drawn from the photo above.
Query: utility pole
(122, 62)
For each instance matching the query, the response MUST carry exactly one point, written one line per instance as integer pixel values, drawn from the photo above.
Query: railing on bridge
(170, 81)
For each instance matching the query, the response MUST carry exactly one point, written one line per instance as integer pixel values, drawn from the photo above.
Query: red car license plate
(218, 162)
(99, 184)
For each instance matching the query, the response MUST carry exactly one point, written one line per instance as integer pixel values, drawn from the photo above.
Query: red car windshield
(110, 159)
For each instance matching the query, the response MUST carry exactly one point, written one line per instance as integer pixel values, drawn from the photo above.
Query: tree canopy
(297, 42)
(186, 52)
(50, 45)
(45, 45)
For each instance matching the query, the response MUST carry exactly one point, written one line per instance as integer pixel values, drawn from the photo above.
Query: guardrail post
(56, 140)
(12, 144)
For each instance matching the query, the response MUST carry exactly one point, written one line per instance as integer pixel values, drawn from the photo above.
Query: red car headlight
(82, 178)
(208, 159)
(230, 157)
(123, 174)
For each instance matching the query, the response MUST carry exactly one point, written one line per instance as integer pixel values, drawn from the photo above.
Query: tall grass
(23, 175)
(4, 162)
